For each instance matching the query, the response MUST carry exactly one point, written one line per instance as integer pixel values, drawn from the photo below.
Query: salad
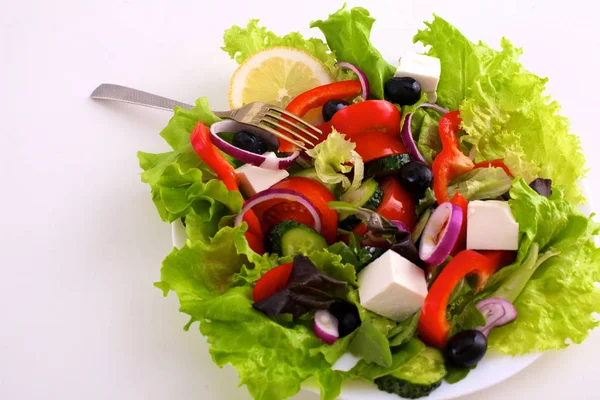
(436, 218)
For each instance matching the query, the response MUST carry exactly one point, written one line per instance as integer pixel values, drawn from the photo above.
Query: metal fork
(261, 115)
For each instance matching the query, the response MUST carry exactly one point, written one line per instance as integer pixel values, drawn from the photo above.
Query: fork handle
(109, 91)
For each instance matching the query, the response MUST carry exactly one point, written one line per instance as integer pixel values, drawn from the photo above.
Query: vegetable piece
(441, 233)
(386, 166)
(326, 326)
(281, 194)
(433, 325)
(347, 317)
(319, 196)
(481, 183)
(404, 388)
(332, 158)
(415, 178)
(250, 142)
(461, 241)
(542, 186)
(407, 135)
(209, 154)
(397, 204)
(497, 312)
(362, 78)
(331, 107)
(366, 116)
(368, 196)
(347, 33)
(401, 226)
(466, 349)
(404, 91)
(272, 282)
(371, 345)
(451, 162)
(372, 145)
(421, 223)
(312, 174)
(307, 289)
(249, 157)
(289, 238)
(498, 163)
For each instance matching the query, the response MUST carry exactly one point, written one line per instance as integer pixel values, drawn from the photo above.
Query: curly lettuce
(504, 108)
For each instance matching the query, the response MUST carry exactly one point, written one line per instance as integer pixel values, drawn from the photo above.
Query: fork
(258, 114)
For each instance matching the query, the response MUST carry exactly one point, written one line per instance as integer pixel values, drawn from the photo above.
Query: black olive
(347, 316)
(466, 349)
(403, 91)
(333, 106)
(250, 142)
(415, 178)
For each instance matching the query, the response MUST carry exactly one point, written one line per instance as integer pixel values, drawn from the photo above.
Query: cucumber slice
(289, 238)
(416, 234)
(368, 195)
(385, 166)
(312, 174)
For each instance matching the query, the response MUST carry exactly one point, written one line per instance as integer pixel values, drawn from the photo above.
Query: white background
(81, 243)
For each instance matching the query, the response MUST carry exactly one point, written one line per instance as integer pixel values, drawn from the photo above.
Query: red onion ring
(497, 312)
(259, 160)
(364, 82)
(407, 137)
(400, 225)
(440, 233)
(285, 194)
(326, 326)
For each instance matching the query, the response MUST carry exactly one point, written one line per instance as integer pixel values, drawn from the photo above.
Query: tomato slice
(275, 211)
(372, 145)
(272, 282)
(397, 204)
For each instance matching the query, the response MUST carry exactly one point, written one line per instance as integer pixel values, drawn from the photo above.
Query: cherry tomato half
(272, 282)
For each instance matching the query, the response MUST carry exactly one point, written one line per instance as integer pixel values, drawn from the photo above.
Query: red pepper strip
(498, 163)
(461, 242)
(317, 97)
(501, 257)
(202, 145)
(451, 162)
(433, 325)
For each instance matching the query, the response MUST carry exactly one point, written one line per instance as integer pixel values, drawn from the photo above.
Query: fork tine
(282, 136)
(296, 118)
(296, 135)
(279, 117)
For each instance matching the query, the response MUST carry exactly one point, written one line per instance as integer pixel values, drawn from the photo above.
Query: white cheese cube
(346, 362)
(392, 286)
(255, 179)
(424, 69)
(491, 226)
(431, 97)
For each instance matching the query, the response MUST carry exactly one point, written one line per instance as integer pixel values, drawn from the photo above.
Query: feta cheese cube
(346, 362)
(491, 226)
(255, 179)
(424, 69)
(392, 286)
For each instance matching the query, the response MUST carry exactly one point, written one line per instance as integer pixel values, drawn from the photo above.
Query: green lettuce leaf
(560, 295)
(348, 34)
(429, 142)
(481, 183)
(240, 43)
(425, 368)
(331, 161)
(172, 175)
(504, 108)
(401, 356)
(272, 360)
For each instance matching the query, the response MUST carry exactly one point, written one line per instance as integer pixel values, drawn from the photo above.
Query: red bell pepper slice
(272, 282)
(461, 242)
(451, 162)
(433, 325)
(317, 97)
(498, 163)
(200, 139)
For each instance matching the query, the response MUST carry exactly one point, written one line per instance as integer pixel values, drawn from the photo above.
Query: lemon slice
(276, 75)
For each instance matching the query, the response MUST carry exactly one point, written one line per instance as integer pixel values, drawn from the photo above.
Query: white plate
(493, 369)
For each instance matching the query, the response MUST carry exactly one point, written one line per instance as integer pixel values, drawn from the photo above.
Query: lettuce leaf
(331, 161)
(348, 34)
(558, 300)
(240, 43)
(177, 178)
(504, 108)
(481, 183)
